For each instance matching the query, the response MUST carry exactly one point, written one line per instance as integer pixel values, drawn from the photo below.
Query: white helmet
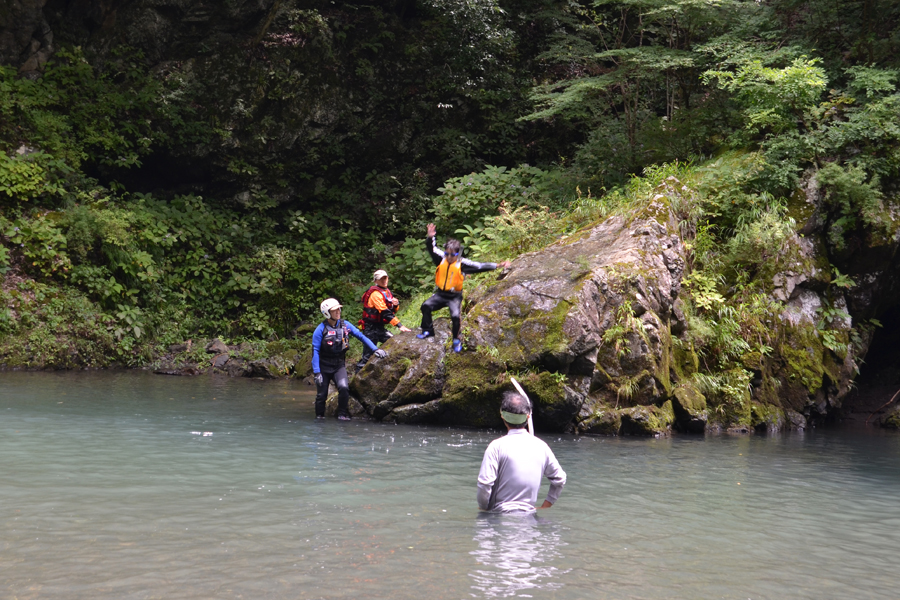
(379, 274)
(328, 305)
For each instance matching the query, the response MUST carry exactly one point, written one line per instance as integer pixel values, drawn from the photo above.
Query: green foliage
(76, 114)
(129, 320)
(703, 288)
(25, 177)
(470, 199)
(619, 337)
(510, 233)
(774, 99)
(48, 326)
(854, 202)
(410, 266)
(760, 234)
(42, 243)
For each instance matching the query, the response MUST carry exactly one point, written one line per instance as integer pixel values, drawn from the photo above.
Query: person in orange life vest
(378, 311)
(330, 342)
(448, 277)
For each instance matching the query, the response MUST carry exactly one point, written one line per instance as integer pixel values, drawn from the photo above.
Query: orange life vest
(449, 276)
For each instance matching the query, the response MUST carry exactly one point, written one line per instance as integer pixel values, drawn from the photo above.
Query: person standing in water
(513, 465)
(448, 277)
(379, 306)
(330, 342)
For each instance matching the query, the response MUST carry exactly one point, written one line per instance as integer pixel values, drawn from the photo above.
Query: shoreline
(851, 418)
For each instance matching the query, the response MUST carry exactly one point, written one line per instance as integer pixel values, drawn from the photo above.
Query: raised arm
(436, 254)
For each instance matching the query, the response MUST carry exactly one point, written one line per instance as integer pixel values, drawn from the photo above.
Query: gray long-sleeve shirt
(511, 472)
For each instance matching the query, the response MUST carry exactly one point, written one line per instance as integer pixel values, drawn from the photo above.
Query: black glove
(380, 353)
(317, 377)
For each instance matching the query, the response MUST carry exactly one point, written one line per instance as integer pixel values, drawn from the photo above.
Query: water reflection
(516, 553)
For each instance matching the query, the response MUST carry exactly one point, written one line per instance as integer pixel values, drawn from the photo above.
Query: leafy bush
(29, 176)
(468, 200)
(775, 99)
(853, 201)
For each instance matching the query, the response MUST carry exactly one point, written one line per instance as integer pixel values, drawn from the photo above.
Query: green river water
(131, 485)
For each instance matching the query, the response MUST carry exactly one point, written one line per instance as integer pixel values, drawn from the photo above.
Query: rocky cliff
(593, 327)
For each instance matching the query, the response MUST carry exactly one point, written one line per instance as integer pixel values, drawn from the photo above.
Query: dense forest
(187, 171)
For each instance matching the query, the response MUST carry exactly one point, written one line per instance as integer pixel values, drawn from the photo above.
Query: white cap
(379, 274)
(329, 305)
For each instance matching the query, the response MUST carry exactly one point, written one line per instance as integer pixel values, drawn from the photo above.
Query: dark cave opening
(879, 374)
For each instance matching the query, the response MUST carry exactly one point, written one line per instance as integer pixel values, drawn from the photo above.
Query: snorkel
(515, 416)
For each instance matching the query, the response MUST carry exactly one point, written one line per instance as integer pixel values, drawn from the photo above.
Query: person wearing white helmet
(379, 306)
(330, 342)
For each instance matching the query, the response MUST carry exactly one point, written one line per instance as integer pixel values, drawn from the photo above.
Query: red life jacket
(372, 314)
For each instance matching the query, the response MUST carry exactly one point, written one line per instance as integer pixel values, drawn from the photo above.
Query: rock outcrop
(26, 39)
(584, 324)
(594, 327)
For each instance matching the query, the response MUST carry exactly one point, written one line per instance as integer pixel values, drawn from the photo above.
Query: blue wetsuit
(329, 344)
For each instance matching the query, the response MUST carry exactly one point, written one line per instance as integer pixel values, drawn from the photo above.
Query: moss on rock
(411, 373)
(472, 390)
(603, 421)
(802, 351)
(689, 406)
(647, 420)
(526, 335)
(765, 417)
(892, 419)
(554, 407)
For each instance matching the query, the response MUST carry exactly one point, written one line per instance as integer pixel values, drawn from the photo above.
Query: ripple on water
(107, 490)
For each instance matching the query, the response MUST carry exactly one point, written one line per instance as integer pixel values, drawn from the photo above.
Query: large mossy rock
(594, 313)
(585, 323)
(594, 329)
(413, 372)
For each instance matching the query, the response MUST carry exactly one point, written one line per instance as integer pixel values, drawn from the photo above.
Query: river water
(132, 485)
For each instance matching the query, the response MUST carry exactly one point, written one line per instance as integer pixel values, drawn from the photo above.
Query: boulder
(689, 407)
(585, 321)
(356, 409)
(428, 412)
(217, 346)
(179, 348)
(601, 422)
(270, 368)
(303, 365)
(593, 327)
(413, 372)
(648, 420)
(238, 367)
(891, 420)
